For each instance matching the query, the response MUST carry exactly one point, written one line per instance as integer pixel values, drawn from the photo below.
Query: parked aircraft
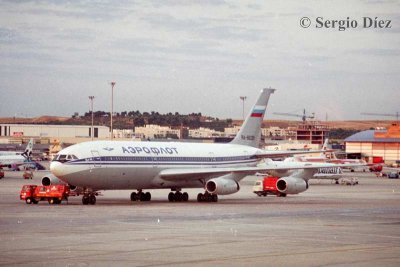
(218, 168)
(334, 173)
(15, 159)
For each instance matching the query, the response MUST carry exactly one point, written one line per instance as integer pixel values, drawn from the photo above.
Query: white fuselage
(136, 165)
(12, 160)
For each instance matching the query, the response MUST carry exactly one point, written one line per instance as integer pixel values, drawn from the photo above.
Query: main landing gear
(89, 198)
(207, 197)
(178, 197)
(140, 196)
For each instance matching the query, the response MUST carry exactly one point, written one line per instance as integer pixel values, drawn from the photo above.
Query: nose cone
(56, 168)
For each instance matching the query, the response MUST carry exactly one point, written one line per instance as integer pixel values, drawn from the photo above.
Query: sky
(199, 56)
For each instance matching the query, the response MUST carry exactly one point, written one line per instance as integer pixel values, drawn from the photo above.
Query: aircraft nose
(56, 168)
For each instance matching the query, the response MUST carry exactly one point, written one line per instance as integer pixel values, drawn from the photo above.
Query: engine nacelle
(221, 186)
(50, 179)
(291, 185)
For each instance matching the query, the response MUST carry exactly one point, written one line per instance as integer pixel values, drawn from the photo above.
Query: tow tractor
(54, 194)
(267, 186)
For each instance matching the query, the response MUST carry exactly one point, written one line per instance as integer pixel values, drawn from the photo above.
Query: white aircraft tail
(324, 148)
(332, 154)
(250, 132)
(28, 150)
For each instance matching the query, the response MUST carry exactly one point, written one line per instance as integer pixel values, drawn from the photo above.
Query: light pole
(243, 98)
(112, 108)
(91, 108)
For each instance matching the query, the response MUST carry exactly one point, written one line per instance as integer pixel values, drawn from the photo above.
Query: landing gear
(178, 197)
(207, 197)
(140, 196)
(89, 199)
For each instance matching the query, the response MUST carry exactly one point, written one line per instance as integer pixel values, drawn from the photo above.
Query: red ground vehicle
(54, 194)
(1, 173)
(28, 174)
(375, 168)
(267, 186)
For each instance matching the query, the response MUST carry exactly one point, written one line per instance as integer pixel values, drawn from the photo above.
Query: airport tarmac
(328, 225)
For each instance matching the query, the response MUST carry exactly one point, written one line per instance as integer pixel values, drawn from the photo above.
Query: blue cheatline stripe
(131, 160)
(158, 163)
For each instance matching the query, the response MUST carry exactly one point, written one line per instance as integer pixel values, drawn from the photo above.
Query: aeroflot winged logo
(258, 111)
(108, 148)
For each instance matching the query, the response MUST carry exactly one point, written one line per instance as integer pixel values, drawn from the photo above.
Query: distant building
(232, 131)
(204, 133)
(156, 131)
(53, 131)
(123, 133)
(376, 145)
(313, 132)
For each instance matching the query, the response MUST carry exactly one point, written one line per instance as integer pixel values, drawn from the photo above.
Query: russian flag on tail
(258, 112)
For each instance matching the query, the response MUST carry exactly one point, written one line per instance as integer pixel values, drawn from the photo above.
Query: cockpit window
(65, 157)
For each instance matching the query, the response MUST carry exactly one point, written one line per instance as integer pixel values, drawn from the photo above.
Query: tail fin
(324, 147)
(250, 133)
(28, 150)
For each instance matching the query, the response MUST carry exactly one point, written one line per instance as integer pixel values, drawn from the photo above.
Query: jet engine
(291, 185)
(50, 179)
(221, 186)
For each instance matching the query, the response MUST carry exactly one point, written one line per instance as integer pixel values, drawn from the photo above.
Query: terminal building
(17, 131)
(375, 146)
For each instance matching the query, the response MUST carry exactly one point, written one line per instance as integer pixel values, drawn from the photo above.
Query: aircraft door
(96, 159)
(212, 160)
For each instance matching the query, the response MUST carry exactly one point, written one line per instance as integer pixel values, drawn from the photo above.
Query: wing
(285, 153)
(208, 173)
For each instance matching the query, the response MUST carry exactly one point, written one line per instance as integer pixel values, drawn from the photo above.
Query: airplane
(330, 157)
(14, 159)
(217, 168)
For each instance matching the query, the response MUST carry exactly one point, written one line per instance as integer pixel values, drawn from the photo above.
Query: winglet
(250, 133)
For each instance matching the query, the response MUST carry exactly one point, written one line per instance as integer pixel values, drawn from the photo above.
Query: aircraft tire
(214, 198)
(133, 196)
(178, 196)
(185, 197)
(171, 197)
(92, 199)
(199, 197)
(85, 200)
(147, 196)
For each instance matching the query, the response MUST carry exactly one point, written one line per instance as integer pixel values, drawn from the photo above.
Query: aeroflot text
(149, 150)
(344, 24)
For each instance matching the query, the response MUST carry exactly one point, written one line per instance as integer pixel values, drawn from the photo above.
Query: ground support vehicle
(1, 173)
(375, 168)
(349, 181)
(54, 194)
(28, 174)
(267, 186)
